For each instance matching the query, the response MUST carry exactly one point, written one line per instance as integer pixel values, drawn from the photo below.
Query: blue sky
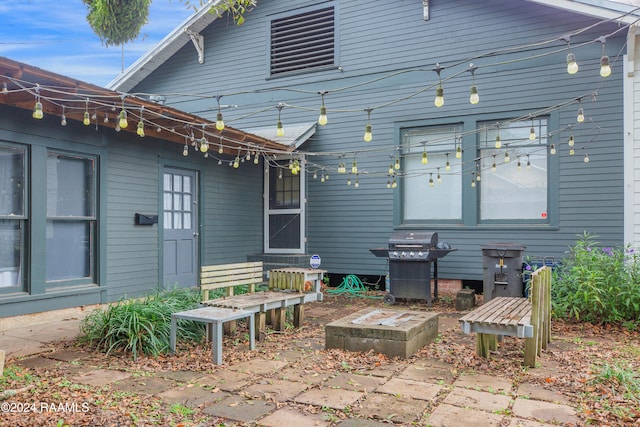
(54, 35)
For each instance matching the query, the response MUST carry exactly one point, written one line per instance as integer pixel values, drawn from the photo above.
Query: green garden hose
(351, 285)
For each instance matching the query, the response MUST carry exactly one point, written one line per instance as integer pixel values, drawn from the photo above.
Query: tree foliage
(119, 21)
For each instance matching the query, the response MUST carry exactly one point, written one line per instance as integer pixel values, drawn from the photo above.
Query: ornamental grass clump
(142, 326)
(598, 284)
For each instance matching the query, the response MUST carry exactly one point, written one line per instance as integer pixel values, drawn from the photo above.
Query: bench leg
(172, 337)
(278, 318)
(298, 315)
(252, 332)
(485, 343)
(261, 325)
(230, 327)
(216, 343)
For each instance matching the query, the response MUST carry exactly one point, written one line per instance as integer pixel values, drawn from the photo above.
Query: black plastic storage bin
(502, 270)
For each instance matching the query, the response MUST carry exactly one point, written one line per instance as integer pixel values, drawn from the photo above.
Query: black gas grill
(410, 255)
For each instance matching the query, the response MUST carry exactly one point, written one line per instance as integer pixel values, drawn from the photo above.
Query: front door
(180, 228)
(284, 216)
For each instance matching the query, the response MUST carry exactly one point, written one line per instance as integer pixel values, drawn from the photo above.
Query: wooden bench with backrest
(528, 318)
(287, 287)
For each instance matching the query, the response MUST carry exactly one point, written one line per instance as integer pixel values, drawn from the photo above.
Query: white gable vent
(303, 42)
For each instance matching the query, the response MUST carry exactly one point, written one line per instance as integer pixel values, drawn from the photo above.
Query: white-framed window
(443, 200)
(515, 176)
(13, 217)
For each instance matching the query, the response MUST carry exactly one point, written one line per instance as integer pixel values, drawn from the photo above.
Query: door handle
(196, 234)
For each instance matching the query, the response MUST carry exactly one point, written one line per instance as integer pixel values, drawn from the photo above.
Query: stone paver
(537, 392)
(192, 396)
(275, 390)
(304, 375)
(484, 382)
(482, 400)
(428, 373)
(545, 411)
(360, 422)
(410, 388)
(144, 385)
(398, 409)
(258, 366)
(517, 422)
(453, 416)
(100, 377)
(238, 408)
(38, 362)
(355, 382)
(287, 417)
(181, 376)
(336, 399)
(68, 355)
(227, 380)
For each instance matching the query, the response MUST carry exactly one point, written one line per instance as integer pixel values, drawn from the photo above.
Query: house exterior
(91, 213)
(544, 155)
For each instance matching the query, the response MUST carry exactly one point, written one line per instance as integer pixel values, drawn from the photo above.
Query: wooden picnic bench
(528, 318)
(286, 287)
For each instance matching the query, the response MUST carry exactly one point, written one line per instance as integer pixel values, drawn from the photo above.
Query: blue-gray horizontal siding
(344, 222)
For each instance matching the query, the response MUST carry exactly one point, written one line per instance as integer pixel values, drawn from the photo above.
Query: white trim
(602, 9)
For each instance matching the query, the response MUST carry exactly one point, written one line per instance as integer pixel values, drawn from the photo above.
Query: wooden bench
(287, 287)
(528, 318)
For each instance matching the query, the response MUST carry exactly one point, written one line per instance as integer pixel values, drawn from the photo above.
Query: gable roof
(22, 84)
(180, 36)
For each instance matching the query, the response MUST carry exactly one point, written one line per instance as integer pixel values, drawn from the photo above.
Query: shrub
(597, 284)
(142, 326)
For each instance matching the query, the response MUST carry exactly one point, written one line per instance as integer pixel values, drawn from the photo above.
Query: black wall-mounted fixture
(142, 219)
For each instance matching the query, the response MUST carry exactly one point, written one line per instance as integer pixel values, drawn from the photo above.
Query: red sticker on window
(544, 214)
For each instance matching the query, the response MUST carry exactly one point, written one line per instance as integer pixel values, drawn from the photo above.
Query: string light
(474, 98)
(507, 159)
(256, 159)
(354, 167)
(279, 128)
(519, 166)
(397, 164)
(439, 177)
(140, 130)
(528, 162)
(605, 68)
(185, 150)
(473, 180)
(425, 159)
(204, 144)
(86, 120)
(447, 165)
(106, 118)
(322, 119)
(431, 184)
(552, 149)
(63, 118)
(580, 117)
(367, 131)
(572, 64)
(532, 132)
(493, 165)
(122, 119)
(439, 100)
(219, 121)
(37, 108)
(586, 158)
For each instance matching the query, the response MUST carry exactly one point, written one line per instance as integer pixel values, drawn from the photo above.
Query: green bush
(598, 284)
(142, 326)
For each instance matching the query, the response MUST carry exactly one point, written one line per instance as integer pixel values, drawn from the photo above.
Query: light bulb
(493, 166)
(5, 89)
(106, 118)
(86, 119)
(185, 150)
(220, 149)
(140, 130)
(458, 152)
(279, 129)
(439, 179)
(572, 152)
(394, 184)
(63, 120)
(236, 163)
(357, 184)
(474, 98)
(368, 136)
(256, 159)
(519, 164)
(219, 121)
(506, 157)
(571, 141)
(498, 142)
(528, 164)
(572, 65)
(348, 181)
(431, 184)
(425, 159)
(552, 149)
(397, 165)
(473, 183)
(478, 177)
(447, 166)
(532, 133)
(322, 178)
(122, 122)
(605, 68)
(37, 111)
(391, 172)
(322, 119)
(204, 144)
(439, 101)
(354, 168)
(586, 158)
(388, 184)
(580, 117)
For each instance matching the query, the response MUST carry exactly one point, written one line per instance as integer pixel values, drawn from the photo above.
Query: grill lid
(411, 239)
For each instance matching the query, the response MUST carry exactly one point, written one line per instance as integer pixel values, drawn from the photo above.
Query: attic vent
(303, 42)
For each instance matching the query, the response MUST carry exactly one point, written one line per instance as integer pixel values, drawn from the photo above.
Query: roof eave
(164, 49)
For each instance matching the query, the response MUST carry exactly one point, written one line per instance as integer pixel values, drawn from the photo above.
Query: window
(443, 200)
(178, 206)
(284, 210)
(12, 217)
(303, 42)
(71, 217)
(514, 177)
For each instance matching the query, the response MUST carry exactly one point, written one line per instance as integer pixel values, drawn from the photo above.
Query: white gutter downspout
(631, 144)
